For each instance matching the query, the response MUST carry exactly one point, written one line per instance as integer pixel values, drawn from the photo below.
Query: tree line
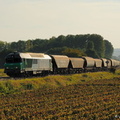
(92, 45)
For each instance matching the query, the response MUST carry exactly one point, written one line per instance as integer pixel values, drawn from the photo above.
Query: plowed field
(93, 100)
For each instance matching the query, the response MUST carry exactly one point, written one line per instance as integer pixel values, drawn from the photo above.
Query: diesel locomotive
(30, 64)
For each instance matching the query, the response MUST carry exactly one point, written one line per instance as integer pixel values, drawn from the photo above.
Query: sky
(31, 19)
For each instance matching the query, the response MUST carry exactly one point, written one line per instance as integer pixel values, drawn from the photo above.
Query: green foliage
(11, 86)
(92, 44)
(6, 87)
(108, 49)
(98, 44)
(73, 52)
(3, 45)
(91, 53)
(57, 51)
(2, 74)
(3, 55)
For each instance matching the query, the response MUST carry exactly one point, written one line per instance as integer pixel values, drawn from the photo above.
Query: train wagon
(89, 64)
(109, 64)
(105, 63)
(76, 65)
(98, 64)
(60, 63)
(115, 64)
(27, 64)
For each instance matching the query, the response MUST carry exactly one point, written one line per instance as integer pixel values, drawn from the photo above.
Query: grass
(18, 85)
(2, 74)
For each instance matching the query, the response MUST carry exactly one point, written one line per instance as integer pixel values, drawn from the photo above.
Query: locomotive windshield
(13, 58)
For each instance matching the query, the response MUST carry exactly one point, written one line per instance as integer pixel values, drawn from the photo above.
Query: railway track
(6, 78)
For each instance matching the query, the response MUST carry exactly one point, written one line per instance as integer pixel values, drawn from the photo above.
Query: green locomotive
(27, 64)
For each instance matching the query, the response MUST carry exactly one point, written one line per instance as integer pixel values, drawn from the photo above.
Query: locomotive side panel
(37, 61)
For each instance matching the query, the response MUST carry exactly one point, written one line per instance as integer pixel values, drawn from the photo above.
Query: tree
(39, 45)
(21, 46)
(13, 46)
(70, 41)
(3, 55)
(56, 51)
(56, 42)
(108, 49)
(99, 46)
(90, 45)
(29, 45)
(73, 52)
(2, 45)
(91, 53)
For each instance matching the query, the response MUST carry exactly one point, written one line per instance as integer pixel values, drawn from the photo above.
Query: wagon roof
(75, 58)
(87, 58)
(97, 59)
(59, 57)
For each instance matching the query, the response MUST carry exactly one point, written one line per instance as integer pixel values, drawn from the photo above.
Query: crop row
(88, 101)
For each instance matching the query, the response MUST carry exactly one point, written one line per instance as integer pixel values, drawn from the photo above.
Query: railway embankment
(18, 85)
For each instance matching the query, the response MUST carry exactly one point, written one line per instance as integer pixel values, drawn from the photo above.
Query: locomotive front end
(13, 64)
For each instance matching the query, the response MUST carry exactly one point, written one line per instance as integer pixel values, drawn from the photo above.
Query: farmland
(88, 96)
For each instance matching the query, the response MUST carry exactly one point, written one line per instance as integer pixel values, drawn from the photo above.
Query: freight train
(30, 64)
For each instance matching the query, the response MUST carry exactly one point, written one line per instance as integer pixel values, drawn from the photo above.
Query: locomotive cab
(13, 64)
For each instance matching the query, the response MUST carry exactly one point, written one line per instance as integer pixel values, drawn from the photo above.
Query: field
(88, 96)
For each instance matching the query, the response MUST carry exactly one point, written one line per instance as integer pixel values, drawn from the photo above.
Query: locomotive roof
(35, 55)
